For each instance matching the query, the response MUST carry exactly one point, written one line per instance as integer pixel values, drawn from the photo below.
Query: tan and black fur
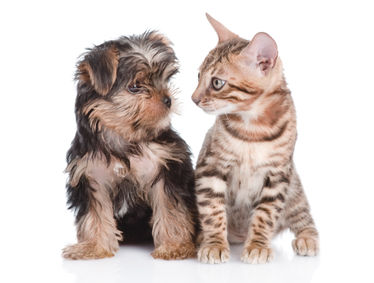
(130, 174)
(246, 182)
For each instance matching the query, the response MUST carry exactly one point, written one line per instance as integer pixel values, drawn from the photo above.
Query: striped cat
(246, 183)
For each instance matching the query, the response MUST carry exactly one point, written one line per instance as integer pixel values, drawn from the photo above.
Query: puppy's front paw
(168, 252)
(254, 255)
(85, 250)
(306, 246)
(213, 254)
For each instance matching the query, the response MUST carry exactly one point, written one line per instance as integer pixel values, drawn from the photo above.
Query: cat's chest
(247, 175)
(245, 184)
(252, 154)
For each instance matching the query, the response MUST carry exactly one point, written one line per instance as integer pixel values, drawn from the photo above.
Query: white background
(327, 51)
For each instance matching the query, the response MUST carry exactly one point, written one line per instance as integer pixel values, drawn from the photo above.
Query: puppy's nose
(167, 101)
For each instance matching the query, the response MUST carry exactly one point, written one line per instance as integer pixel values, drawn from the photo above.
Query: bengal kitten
(246, 183)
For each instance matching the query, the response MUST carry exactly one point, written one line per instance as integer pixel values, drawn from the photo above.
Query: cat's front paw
(255, 255)
(306, 246)
(213, 254)
(85, 250)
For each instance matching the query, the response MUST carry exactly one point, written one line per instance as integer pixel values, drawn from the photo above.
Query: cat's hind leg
(300, 222)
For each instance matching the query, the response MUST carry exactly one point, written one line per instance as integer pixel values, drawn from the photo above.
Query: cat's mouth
(214, 109)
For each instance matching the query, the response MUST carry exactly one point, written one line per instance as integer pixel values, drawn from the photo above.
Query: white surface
(327, 51)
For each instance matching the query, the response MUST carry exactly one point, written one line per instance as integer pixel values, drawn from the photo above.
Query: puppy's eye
(134, 88)
(217, 84)
(198, 76)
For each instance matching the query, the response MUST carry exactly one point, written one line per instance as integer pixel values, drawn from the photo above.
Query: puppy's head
(125, 85)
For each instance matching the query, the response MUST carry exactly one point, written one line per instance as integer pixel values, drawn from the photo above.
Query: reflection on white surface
(135, 263)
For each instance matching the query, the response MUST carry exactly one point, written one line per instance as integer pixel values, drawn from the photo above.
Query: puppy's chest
(145, 166)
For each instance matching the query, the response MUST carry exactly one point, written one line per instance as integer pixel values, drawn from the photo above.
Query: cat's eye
(217, 84)
(134, 88)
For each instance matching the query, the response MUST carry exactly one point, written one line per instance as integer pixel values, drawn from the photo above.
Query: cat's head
(237, 72)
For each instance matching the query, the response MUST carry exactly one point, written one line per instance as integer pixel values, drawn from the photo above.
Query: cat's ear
(222, 32)
(263, 51)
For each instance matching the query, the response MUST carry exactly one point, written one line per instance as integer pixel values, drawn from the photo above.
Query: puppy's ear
(154, 35)
(98, 69)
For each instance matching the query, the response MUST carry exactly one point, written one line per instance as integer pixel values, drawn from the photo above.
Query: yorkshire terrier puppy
(130, 174)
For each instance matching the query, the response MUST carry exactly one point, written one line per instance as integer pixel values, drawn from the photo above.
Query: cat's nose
(196, 99)
(167, 101)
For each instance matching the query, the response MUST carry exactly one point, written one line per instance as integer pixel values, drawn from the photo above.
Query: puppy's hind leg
(96, 229)
(173, 227)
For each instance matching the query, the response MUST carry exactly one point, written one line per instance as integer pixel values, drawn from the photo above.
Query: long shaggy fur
(130, 174)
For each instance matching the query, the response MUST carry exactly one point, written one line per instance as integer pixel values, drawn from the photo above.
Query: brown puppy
(130, 174)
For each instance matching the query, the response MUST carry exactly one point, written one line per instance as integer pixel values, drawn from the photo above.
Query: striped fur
(246, 184)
